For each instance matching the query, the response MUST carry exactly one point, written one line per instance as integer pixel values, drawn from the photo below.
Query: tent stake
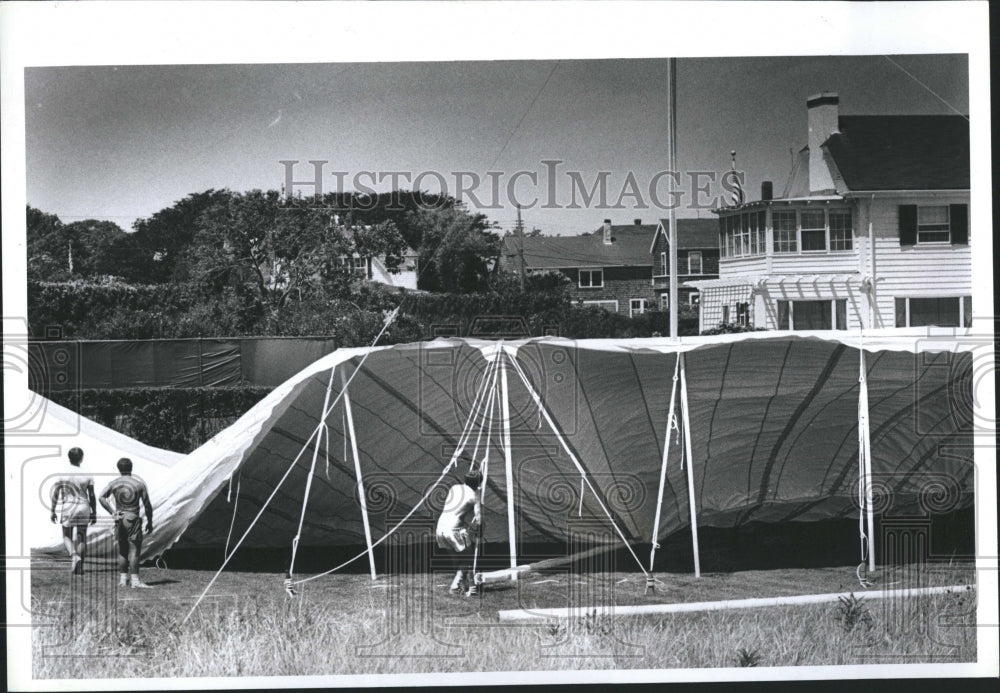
(508, 461)
(686, 415)
(357, 472)
(663, 466)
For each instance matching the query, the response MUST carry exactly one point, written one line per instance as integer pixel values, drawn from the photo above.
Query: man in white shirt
(458, 527)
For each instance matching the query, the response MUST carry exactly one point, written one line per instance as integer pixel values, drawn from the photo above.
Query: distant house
(871, 230)
(697, 258)
(405, 276)
(610, 268)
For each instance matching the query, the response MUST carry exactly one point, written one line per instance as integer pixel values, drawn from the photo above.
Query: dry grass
(349, 625)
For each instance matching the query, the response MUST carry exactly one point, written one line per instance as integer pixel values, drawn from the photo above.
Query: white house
(871, 230)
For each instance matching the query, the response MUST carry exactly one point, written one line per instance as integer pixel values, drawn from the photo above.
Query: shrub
(178, 419)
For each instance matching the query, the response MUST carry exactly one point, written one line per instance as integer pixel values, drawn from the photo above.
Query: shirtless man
(76, 510)
(458, 525)
(128, 492)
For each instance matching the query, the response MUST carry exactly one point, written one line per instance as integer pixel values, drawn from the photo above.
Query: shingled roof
(630, 248)
(694, 234)
(902, 152)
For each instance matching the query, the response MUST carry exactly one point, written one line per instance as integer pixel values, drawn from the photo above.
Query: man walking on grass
(128, 492)
(73, 494)
(458, 527)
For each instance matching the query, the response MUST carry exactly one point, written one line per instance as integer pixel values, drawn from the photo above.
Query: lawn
(347, 624)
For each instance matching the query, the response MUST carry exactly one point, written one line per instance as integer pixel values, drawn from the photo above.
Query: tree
(155, 252)
(48, 250)
(455, 250)
(269, 250)
(59, 252)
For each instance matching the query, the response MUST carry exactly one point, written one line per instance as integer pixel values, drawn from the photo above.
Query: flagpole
(672, 168)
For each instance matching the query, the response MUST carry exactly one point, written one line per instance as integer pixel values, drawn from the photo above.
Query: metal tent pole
(685, 414)
(361, 484)
(663, 466)
(866, 454)
(508, 459)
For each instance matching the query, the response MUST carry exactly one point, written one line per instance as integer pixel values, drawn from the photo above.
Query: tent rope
(232, 522)
(460, 446)
(316, 431)
(486, 470)
(671, 424)
(576, 462)
(309, 478)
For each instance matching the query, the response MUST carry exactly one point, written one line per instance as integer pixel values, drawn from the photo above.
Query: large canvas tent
(771, 427)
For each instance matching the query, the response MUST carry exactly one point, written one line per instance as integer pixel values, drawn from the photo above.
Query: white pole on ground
(688, 607)
(361, 483)
(685, 414)
(663, 466)
(508, 459)
(866, 453)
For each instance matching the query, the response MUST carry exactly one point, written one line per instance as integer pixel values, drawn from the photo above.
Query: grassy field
(346, 624)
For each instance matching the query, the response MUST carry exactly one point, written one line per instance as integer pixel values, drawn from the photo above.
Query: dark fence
(161, 363)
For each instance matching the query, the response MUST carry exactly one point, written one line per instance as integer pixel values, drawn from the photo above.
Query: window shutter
(959, 220)
(907, 224)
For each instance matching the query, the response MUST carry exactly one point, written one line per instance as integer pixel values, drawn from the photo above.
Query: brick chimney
(824, 115)
(607, 232)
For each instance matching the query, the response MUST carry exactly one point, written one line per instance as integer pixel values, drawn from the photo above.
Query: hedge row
(117, 311)
(174, 419)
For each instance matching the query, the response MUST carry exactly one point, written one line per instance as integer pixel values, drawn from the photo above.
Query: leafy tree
(58, 252)
(156, 252)
(456, 248)
(48, 249)
(271, 250)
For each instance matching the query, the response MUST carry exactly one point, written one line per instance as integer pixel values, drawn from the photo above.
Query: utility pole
(520, 243)
(672, 167)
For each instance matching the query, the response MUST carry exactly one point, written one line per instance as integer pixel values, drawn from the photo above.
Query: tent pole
(685, 414)
(361, 484)
(866, 444)
(663, 466)
(508, 461)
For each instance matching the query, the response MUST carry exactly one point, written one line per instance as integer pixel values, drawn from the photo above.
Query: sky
(120, 143)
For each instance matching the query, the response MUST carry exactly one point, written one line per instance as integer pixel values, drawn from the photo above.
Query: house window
(841, 231)
(812, 315)
(694, 299)
(664, 265)
(813, 233)
(694, 262)
(665, 301)
(946, 311)
(785, 240)
(592, 279)
(725, 315)
(743, 314)
(932, 224)
(610, 306)
(355, 265)
(636, 306)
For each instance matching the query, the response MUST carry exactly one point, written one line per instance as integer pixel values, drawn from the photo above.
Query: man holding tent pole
(128, 491)
(458, 529)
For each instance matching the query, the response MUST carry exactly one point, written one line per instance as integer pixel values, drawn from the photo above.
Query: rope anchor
(289, 590)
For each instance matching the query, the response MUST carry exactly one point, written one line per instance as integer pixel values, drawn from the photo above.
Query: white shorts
(454, 539)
